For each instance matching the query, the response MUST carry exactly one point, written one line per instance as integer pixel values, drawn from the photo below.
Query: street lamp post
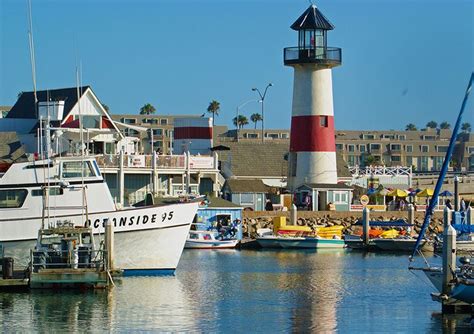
(237, 117)
(262, 99)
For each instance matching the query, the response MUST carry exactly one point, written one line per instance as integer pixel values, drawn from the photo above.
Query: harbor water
(247, 291)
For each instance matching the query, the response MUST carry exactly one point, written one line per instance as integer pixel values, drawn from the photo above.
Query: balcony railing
(161, 161)
(318, 55)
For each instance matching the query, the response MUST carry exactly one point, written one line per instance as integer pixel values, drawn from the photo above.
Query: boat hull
(148, 240)
(400, 245)
(210, 244)
(268, 242)
(312, 243)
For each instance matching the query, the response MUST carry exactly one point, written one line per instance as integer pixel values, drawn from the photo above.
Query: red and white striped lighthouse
(312, 158)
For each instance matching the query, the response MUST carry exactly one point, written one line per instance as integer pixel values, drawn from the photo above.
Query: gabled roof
(25, 105)
(217, 202)
(246, 186)
(312, 18)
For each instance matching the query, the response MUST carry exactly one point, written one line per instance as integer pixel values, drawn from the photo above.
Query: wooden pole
(449, 252)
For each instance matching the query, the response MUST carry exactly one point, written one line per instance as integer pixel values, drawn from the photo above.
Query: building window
(429, 137)
(150, 121)
(368, 136)
(246, 198)
(109, 148)
(409, 148)
(251, 135)
(438, 163)
(284, 136)
(374, 147)
(470, 149)
(442, 149)
(395, 158)
(13, 198)
(272, 135)
(424, 148)
(323, 121)
(158, 143)
(163, 121)
(351, 160)
(350, 148)
(339, 147)
(423, 165)
(340, 197)
(157, 132)
(409, 161)
(402, 137)
(362, 148)
(384, 136)
(395, 147)
(129, 120)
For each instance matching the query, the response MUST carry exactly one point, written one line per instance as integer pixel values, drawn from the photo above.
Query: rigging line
(81, 135)
(31, 46)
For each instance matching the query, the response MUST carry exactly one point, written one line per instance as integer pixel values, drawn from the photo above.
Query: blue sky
(403, 60)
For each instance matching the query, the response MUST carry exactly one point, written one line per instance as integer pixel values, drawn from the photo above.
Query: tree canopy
(256, 118)
(147, 109)
(445, 125)
(466, 127)
(241, 121)
(411, 127)
(214, 108)
(432, 124)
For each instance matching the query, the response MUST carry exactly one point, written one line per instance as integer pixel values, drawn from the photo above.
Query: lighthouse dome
(312, 19)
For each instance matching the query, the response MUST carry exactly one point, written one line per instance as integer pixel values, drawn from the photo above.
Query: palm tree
(214, 108)
(432, 124)
(466, 127)
(147, 109)
(410, 127)
(256, 118)
(106, 107)
(445, 125)
(242, 120)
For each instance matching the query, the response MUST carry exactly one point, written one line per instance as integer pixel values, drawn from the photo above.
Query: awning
(398, 193)
(428, 192)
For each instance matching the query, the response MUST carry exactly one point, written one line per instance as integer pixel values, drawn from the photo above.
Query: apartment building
(424, 150)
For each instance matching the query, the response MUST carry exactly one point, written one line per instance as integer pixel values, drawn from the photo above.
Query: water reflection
(242, 291)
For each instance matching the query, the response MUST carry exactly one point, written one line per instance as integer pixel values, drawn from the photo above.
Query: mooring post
(365, 225)
(293, 214)
(449, 252)
(469, 216)
(456, 193)
(109, 244)
(411, 214)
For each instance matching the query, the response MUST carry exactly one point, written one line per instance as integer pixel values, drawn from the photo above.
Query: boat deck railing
(52, 259)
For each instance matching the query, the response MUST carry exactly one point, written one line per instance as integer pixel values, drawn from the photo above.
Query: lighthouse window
(13, 198)
(323, 121)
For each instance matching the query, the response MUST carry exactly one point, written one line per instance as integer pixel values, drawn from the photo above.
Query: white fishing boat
(401, 244)
(208, 240)
(148, 240)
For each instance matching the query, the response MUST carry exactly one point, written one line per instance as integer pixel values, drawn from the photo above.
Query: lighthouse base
(312, 168)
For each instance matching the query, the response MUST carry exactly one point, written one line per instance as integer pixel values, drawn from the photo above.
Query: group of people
(462, 205)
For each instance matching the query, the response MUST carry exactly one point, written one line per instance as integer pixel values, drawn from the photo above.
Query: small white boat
(208, 240)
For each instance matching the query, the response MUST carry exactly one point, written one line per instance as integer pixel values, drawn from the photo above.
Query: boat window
(52, 192)
(73, 169)
(193, 236)
(97, 170)
(12, 198)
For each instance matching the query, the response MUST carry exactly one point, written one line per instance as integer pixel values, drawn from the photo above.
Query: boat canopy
(464, 228)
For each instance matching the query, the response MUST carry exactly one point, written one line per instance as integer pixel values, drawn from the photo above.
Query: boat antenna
(31, 45)
(444, 169)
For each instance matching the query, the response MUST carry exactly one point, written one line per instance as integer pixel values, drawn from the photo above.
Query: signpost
(364, 200)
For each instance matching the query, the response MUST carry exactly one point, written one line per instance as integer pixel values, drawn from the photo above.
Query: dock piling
(365, 225)
(293, 214)
(449, 259)
(109, 244)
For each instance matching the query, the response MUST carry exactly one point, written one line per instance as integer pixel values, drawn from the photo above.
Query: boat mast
(444, 169)
(31, 46)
